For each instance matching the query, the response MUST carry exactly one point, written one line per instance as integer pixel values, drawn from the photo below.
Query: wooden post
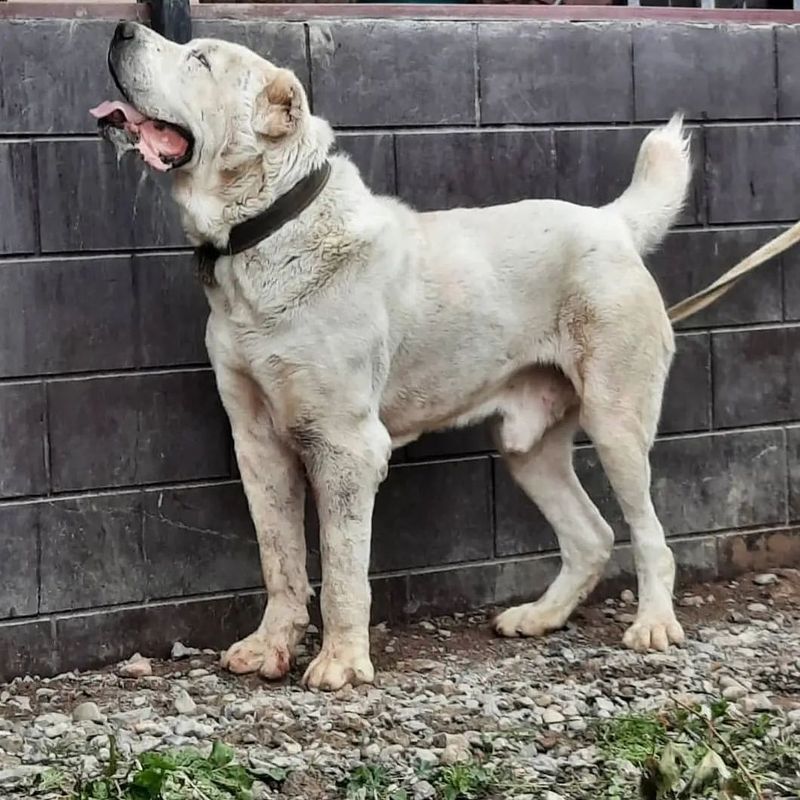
(172, 19)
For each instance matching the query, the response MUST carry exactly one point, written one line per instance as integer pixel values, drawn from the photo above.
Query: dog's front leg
(274, 483)
(345, 465)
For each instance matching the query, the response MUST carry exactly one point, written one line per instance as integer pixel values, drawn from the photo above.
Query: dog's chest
(307, 365)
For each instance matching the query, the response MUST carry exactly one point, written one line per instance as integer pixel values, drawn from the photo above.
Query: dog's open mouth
(163, 145)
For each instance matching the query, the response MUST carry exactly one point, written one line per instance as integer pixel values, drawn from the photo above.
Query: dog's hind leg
(547, 476)
(623, 389)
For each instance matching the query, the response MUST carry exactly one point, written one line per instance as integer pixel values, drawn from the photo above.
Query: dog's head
(227, 122)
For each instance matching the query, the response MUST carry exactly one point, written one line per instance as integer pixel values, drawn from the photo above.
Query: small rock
(198, 673)
(474, 738)
(756, 702)
(734, 692)
(242, 710)
(552, 716)
(546, 764)
(9, 777)
(423, 665)
(261, 791)
(391, 752)
(628, 597)
(765, 579)
(180, 650)
(737, 617)
(137, 666)
(132, 717)
(568, 655)
(627, 768)
(427, 626)
(552, 796)
(423, 790)
(87, 712)
(55, 731)
(49, 720)
(11, 746)
(691, 601)
(190, 727)
(604, 704)
(22, 702)
(757, 608)
(427, 757)
(456, 750)
(184, 704)
(371, 751)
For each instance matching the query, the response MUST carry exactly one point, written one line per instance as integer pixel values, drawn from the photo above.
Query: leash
(723, 284)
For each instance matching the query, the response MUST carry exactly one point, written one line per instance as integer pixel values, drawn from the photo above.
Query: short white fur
(363, 324)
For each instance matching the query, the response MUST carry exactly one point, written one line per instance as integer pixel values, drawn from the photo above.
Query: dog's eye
(202, 59)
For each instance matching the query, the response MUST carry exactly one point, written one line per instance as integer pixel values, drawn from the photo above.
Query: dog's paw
(338, 666)
(530, 619)
(258, 653)
(653, 632)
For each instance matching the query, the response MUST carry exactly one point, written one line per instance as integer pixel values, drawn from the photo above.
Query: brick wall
(122, 524)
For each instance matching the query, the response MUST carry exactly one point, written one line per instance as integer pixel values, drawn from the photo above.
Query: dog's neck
(213, 204)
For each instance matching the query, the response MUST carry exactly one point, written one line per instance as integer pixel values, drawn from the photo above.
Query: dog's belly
(448, 373)
(468, 350)
(525, 404)
(412, 411)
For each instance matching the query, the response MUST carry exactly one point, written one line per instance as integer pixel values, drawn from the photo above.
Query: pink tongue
(155, 140)
(108, 107)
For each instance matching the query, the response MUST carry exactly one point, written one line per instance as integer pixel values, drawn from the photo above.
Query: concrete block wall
(122, 524)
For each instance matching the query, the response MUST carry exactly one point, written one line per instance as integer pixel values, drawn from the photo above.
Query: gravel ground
(447, 692)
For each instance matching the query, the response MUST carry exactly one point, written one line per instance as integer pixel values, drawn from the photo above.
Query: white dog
(351, 324)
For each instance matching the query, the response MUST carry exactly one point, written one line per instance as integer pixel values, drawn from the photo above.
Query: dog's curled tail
(657, 191)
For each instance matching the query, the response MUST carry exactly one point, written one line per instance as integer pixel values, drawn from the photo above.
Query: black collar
(249, 233)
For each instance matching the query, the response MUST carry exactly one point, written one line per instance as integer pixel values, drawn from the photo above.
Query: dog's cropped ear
(279, 105)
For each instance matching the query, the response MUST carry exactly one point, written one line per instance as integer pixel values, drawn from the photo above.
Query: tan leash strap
(723, 284)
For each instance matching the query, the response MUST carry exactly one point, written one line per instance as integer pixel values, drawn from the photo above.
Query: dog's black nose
(123, 32)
